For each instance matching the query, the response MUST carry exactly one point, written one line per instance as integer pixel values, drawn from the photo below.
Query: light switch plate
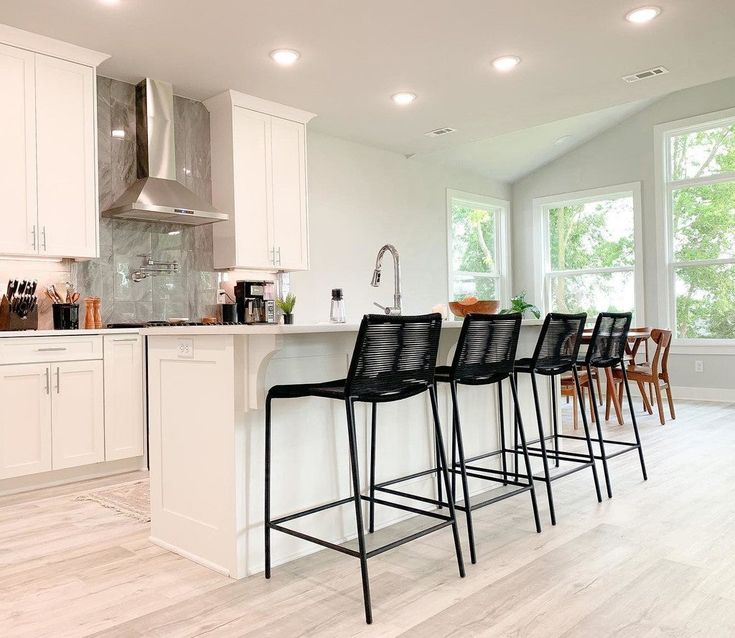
(185, 348)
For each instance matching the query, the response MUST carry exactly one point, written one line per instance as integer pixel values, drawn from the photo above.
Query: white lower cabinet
(70, 401)
(25, 428)
(77, 414)
(124, 397)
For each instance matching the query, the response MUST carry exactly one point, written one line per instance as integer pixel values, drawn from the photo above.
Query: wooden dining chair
(568, 390)
(655, 373)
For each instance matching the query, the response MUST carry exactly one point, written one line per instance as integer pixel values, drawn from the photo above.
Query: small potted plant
(519, 304)
(285, 305)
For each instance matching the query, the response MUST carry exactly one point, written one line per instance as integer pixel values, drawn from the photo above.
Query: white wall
(619, 155)
(362, 197)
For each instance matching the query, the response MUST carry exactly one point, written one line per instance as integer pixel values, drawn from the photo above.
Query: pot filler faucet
(396, 308)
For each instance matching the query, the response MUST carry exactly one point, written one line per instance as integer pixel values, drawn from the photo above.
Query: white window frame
(541, 206)
(502, 241)
(662, 133)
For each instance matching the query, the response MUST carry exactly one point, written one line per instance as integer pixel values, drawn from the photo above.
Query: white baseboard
(724, 395)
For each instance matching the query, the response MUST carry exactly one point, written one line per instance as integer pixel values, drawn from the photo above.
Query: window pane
(612, 291)
(705, 302)
(473, 238)
(704, 222)
(702, 153)
(480, 287)
(595, 234)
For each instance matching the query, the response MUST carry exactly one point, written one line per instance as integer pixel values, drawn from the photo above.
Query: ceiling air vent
(644, 75)
(438, 132)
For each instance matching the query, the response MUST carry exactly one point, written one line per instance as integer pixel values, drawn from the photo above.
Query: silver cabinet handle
(33, 232)
(43, 234)
(131, 339)
(50, 349)
(58, 381)
(48, 381)
(279, 255)
(273, 255)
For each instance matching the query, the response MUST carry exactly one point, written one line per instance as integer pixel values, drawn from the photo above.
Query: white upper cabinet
(18, 156)
(48, 137)
(259, 179)
(66, 158)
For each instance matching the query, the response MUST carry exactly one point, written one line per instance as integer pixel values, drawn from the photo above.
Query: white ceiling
(511, 156)
(356, 54)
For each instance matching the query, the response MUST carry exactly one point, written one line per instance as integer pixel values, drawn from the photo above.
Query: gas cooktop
(169, 324)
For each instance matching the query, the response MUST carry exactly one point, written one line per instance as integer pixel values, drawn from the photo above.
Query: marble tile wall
(192, 292)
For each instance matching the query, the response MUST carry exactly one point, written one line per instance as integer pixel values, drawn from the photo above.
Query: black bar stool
(556, 353)
(607, 350)
(485, 355)
(394, 359)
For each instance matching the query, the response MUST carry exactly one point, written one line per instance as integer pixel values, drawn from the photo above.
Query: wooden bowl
(484, 307)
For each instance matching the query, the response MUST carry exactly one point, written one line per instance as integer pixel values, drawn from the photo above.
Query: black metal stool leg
(542, 443)
(503, 460)
(267, 514)
(445, 475)
(457, 436)
(373, 428)
(635, 422)
(439, 493)
(587, 434)
(555, 419)
(453, 465)
(516, 417)
(358, 510)
(527, 459)
(603, 456)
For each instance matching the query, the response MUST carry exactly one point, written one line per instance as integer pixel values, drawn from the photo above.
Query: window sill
(703, 346)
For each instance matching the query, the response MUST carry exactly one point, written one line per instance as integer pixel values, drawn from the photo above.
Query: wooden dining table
(636, 337)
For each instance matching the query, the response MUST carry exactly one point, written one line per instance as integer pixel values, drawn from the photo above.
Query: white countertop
(67, 333)
(280, 329)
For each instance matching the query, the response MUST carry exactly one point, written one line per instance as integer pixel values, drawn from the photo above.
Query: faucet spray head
(375, 282)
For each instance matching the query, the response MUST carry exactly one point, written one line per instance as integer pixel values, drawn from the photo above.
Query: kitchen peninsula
(206, 393)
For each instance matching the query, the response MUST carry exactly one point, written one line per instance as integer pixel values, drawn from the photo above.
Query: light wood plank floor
(656, 560)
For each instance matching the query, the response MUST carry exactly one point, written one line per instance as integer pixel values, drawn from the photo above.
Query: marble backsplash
(190, 293)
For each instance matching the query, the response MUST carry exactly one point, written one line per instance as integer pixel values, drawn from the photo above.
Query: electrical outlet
(698, 366)
(185, 348)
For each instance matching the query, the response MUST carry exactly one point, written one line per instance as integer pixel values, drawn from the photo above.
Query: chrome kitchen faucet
(395, 309)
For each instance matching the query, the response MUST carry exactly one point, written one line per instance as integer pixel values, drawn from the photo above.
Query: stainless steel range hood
(156, 195)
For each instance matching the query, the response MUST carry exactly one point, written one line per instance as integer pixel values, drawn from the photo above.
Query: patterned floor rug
(131, 499)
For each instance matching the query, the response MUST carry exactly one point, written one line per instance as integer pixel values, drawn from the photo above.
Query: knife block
(10, 321)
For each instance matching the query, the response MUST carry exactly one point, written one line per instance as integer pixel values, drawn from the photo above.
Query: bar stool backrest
(609, 338)
(394, 357)
(558, 344)
(486, 349)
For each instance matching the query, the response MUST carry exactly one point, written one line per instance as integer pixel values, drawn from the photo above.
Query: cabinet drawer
(49, 349)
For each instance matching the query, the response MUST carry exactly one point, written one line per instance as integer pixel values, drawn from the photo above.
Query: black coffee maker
(255, 301)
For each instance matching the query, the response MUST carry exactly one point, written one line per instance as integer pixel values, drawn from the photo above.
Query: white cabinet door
(252, 175)
(77, 414)
(124, 410)
(290, 222)
(66, 158)
(17, 152)
(25, 428)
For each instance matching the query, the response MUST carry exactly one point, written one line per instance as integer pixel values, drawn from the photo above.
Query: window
(478, 246)
(591, 244)
(698, 193)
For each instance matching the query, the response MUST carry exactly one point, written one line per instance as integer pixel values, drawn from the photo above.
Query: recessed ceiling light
(285, 57)
(110, 2)
(644, 14)
(118, 132)
(562, 140)
(506, 62)
(403, 98)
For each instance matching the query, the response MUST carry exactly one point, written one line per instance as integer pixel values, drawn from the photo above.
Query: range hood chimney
(157, 196)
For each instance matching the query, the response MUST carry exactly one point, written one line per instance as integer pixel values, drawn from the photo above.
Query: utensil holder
(66, 316)
(11, 321)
